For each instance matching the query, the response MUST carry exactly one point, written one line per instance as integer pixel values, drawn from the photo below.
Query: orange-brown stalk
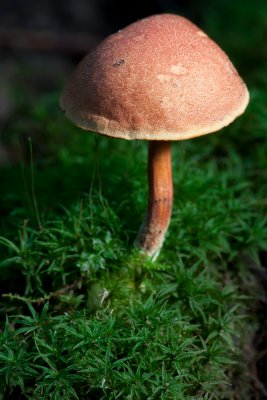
(160, 190)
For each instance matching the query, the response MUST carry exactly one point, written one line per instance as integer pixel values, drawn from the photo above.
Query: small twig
(40, 300)
(104, 295)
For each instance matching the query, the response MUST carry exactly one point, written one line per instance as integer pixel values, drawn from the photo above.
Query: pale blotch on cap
(160, 78)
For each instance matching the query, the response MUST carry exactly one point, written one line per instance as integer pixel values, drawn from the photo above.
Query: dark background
(41, 42)
(91, 16)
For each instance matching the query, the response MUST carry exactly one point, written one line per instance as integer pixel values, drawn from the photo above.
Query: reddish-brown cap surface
(160, 78)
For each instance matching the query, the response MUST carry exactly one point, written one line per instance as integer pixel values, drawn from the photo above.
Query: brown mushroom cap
(160, 78)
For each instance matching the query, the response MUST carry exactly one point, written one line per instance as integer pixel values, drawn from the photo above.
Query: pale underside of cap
(161, 78)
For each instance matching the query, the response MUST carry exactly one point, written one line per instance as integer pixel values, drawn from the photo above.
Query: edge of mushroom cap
(102, 125)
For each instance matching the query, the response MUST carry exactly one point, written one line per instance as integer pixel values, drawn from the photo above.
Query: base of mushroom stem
(144, 246)
(150, 256)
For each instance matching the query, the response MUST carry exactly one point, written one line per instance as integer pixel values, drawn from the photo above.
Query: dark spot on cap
(119, 62)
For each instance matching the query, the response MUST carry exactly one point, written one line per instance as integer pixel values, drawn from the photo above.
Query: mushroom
(159, 79)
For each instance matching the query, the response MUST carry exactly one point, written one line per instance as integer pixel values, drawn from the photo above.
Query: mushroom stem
(160, 191)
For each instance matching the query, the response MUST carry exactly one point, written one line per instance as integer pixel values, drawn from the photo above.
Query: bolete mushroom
(159, 79)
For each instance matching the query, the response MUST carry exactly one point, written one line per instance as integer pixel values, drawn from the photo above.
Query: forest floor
(84, 316)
